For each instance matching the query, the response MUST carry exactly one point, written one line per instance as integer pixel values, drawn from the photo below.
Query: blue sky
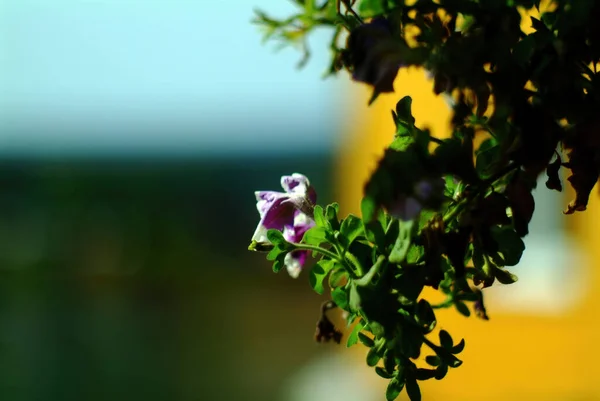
(127, 75)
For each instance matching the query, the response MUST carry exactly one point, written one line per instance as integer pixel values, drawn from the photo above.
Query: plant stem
(315, 248)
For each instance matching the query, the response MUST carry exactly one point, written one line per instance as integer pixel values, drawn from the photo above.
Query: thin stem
(359, 269)
(322, 251)
(446, 304)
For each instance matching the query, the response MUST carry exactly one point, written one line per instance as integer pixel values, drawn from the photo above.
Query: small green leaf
(510, 244)
(276, 237)
(403, 112)
(320, 219)
(340, 297)
(373, 357)
(445, 339)
(415, 255)
(375, 234)
(487, 156)
(442, 370)
(425, 374)
(425, 316)
(338, 277)
(413, 390)
(382, 373)
(316, 236)
(394, 389)
(368, 209)
(318, 273)
(462, 308)
(368, 278)
(402, 244)
(352, 227)
(504, 276)
(366, 340)
(433, 360)
(458, 348)
(354, 298)
(331, 212)
(353, 337)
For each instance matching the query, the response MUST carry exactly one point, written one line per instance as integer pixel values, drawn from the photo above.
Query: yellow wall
(511, 356)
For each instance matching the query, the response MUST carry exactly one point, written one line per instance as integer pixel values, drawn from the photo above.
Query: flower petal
(279, 214)
(294, 262)
(295, 184)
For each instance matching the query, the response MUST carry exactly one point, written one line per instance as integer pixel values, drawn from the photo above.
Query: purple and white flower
(290, 212)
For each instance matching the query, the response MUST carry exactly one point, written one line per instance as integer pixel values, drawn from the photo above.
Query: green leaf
(394, 389)
(425, 316)
(487, 157)
(368, 277)
(510, 244)
(458, 348)
(416, 254)
(340, 297)
(338, 277)
(370, 8)
(375, 233)
(445, 339)
(400, 249)
(462, 308)
(353, 337)
(320, 219)
(382, 373)
(318, 273)
(504, 276)
(442, 370)
(368, 209)
(332, 212)
(403, 112)
(366, 340)
(373, 357)
(276, 238)
(316, 236)
(433, 360)
(413, 390)
(276, 252)
(425, 374)
(352, 227)
(354, 298)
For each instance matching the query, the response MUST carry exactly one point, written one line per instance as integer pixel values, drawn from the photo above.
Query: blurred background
(132, 137)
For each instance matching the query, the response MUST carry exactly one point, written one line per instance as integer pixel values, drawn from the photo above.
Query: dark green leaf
(320, 219)
(338, 277)
(353, 337)
(276, 238)
(366, 340)
(394, 389)
(373, 357)
(462, 308)
(331, 212)
(382, 373)
(433, 360)
(400, 249)
(458, 348)
(368, 208)
(316, 236)
(445, 339)
(354, 302)
(425, 316)
(425, 374)
(318, 273)
(413, 390)
(352, 227)
(340, 297)
(504, 276)
(510, 244)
